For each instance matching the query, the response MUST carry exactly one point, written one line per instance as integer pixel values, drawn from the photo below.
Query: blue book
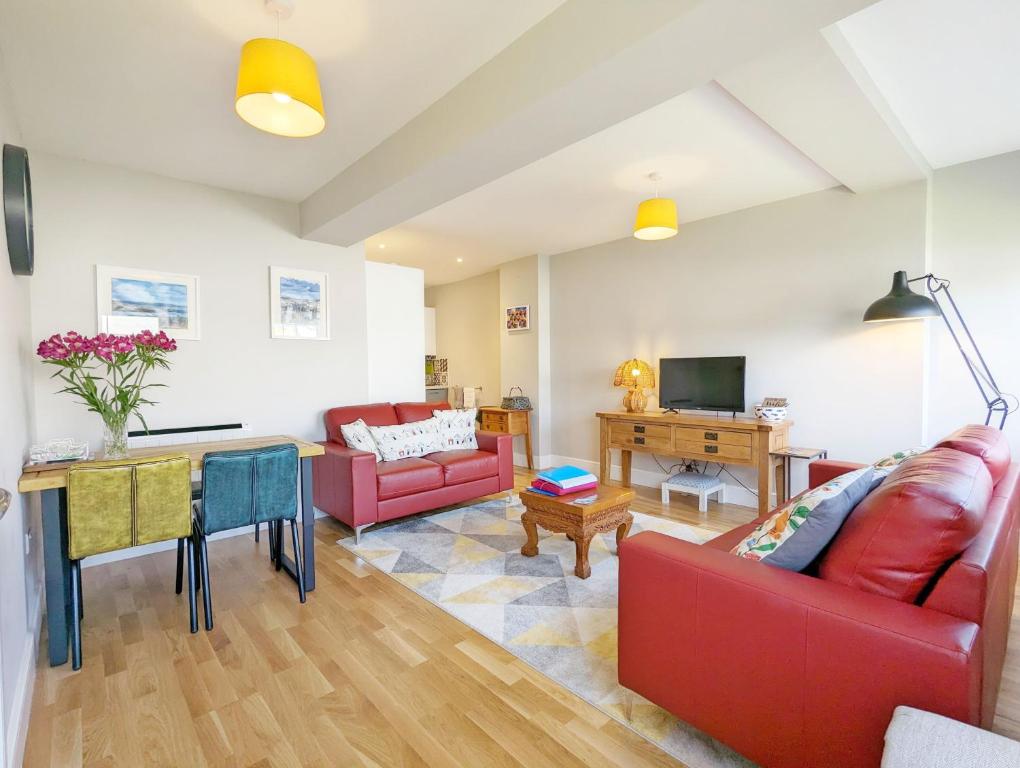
(567, 476)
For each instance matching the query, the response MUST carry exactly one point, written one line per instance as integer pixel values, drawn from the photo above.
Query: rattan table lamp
(635, 375)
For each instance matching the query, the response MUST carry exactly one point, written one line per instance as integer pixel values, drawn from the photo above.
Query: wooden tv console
(726, 440)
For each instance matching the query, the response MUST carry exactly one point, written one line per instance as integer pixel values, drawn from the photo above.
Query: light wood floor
(365, 674)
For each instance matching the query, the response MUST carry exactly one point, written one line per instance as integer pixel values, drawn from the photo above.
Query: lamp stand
(635, 400)
(937, 288)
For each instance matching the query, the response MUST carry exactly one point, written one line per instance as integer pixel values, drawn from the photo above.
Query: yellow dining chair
(113, 505)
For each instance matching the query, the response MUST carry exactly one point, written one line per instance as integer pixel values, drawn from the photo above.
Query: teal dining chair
(241, 488)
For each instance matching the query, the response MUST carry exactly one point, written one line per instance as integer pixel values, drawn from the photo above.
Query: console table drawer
(494, 422)
(711, 450)
(650, 436)
(691, 435)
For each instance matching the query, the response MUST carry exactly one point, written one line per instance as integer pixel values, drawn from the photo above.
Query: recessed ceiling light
(460, 260)
(382, 246)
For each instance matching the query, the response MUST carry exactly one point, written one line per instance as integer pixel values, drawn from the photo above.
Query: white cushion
(457, 429)
(403, 441)
(357, 436)
(917, 739)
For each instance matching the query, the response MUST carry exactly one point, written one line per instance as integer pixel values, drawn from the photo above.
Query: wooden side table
(509, 422)
(559, 514)
(786, 456)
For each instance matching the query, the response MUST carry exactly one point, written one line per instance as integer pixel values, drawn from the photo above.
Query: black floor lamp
(901, 303)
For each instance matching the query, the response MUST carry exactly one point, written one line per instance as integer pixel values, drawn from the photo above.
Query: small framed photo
(518, 318)
(299, 304)
(134, 299)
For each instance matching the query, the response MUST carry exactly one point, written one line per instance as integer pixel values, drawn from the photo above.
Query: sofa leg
(357, 533)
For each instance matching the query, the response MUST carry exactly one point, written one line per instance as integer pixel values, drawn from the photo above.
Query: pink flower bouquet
(107, 374)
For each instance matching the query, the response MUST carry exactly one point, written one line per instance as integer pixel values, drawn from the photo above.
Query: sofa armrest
(344, 484)
(741, 649)
(503, 446)
(822, 471)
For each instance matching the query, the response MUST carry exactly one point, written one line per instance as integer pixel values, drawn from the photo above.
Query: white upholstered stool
(695, 483)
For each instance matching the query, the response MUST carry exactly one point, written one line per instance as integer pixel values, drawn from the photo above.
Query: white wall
(395, 302)
(20, 583)
(524, 355)
(785, 285)
(976, 245)
(88, 214)
(468, 332)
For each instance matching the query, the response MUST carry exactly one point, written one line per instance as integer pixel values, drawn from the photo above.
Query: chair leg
(279, 543)
(81, 601)
(297, 559)
(180, 566)
(272, 540)
(192, 598)
(76, 614)
(206, 592)
(256, 532)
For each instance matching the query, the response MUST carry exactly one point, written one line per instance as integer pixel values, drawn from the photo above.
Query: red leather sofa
(910, 604)
(352, 487)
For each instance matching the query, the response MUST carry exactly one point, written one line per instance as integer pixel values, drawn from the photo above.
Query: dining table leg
(58, 573)
(307, 531)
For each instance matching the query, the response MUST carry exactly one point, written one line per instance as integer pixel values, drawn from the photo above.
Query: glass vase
(115, 436)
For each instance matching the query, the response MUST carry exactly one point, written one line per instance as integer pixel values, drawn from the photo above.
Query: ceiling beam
(582, 69)
(824, 103)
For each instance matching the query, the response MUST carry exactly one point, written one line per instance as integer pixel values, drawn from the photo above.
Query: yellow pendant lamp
(656, 217)
(278, 86)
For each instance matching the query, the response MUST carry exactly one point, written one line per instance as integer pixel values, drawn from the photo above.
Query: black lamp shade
(901, 303)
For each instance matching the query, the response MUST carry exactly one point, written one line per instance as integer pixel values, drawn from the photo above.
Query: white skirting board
(21, 707)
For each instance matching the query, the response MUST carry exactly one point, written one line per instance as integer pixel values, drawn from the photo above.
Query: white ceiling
(714, 155)
(949, 71)
(149, 84)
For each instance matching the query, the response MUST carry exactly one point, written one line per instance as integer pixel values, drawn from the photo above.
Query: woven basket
(519, 402)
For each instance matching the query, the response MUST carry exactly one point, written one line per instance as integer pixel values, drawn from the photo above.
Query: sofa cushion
(465, 466)
(987, 443)
(730, 539)
(374, 415)
(925, 513)
(795, 534)
(457, 429)
(417, 411)
(357, 436)
(406, 476)
(403, 441)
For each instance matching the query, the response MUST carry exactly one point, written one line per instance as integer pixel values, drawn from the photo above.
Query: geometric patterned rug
(468, 562)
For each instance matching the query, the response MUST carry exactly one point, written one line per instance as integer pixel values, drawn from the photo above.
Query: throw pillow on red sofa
(924, 514)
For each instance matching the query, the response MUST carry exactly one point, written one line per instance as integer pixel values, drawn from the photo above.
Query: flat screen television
(702, 383)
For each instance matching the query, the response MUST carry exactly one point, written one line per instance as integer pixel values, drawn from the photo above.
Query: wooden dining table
(50, 480)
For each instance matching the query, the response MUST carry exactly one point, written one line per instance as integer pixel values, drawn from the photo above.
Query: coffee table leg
(530, 549)
(623, 530)
(581, 567)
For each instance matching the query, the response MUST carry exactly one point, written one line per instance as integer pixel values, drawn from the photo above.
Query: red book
(546, 487)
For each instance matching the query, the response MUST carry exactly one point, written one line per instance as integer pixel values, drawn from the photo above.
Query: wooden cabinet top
(690, 420)
(497, 409)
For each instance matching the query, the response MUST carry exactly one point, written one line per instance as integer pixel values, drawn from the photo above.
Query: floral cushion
(403, 441)
(457, 429)
(883, 467)
(357, 436)
(796, 533)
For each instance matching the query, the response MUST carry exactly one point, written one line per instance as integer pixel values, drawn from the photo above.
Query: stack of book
(559, 481)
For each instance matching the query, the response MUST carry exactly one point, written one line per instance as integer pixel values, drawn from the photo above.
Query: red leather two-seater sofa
(910, 604)
(353, 488)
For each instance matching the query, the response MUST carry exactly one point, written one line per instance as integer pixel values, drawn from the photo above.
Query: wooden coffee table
(579, 521)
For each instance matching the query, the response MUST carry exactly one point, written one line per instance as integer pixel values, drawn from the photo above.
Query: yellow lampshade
(278, 89)
(634, 373)
(656, 219)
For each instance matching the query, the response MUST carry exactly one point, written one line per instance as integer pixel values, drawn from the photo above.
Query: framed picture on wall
(518, 318)
(299, 304)
(137, 298)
